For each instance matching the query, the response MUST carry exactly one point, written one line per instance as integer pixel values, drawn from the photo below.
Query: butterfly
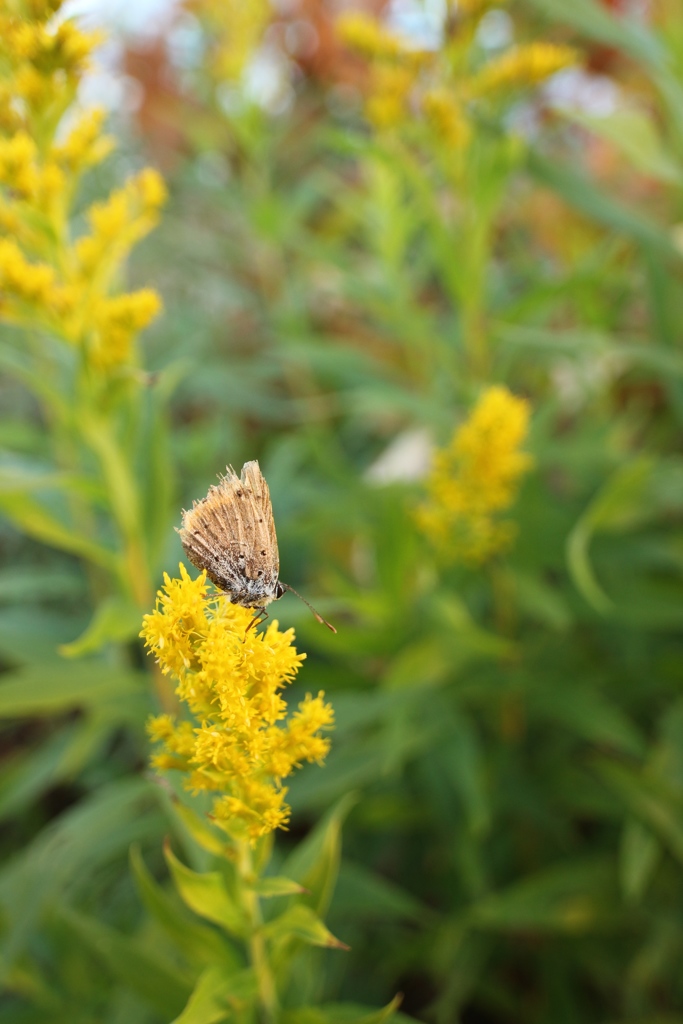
(231, 534)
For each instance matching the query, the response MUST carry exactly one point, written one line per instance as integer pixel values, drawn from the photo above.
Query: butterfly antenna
(319, 617)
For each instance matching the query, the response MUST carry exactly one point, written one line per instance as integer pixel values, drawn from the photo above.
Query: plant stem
(258, 954)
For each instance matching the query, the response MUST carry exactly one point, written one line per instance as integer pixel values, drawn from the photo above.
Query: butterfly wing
(262, 553)
(231, 534)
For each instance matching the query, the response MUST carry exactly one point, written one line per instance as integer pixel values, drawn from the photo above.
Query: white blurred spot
(420, 24)
(267, 80)
(407, 457)
(574, 87)
(140, 18)
(495, 30)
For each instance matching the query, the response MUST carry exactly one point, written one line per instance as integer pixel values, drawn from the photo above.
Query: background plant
(340, 288)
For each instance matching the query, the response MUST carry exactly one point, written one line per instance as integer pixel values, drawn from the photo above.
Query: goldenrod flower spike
(522, 67)
(476, 478)
(369, 37)
(47, 280)
(447, 117)
(236, 28)
(242, 743)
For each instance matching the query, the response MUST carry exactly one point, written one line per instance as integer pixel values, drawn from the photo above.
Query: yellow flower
(118, 320)
(447, 117)
(71, 289)
(242, 742)
(368, 36)
(18, 164)
(85, 145)
(522, 67)
(22, 281)
(476, 478)
(387, 103)
(235, 28)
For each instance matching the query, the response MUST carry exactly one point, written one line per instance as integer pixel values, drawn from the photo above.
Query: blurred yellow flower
(475, 478)
(368, 36)
(48, 280)
(242, 743)
(522, 67)
(387, 103)
(447, 117)
(235, 28)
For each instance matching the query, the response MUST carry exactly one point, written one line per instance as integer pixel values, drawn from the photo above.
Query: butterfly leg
(261, 616)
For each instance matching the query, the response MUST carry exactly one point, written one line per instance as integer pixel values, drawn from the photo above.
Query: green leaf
(206, 894)
(17, 365)
(63, 858)
(365, 895)
(315, 861)
(639, 856)
(200, 830)
(30, 583)
(581, 192)
(133, 963)
(21, 476)
(29, 773)
(198, 941)
(115, 621)
(45, 689)
(344, 1013)
(542, 602)
(465, 764)
(574, 898)
(619, 505)
(596, 22)
(277, 885)
(633, 132)
(301, 922)
(648, 799)
(218, 996)
(588, 712)
(31, 518)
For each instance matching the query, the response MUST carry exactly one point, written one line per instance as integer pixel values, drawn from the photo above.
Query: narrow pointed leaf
(277, 885)
(34, 520)
(205, 894)
(218, 996)
(115, 621)
(198, 941)
(315, 861)
(132, 963)
(45, 689)
(201, 832)
(301, 922)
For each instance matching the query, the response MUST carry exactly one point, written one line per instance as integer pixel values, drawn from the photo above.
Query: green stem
(258, 953)
(134, 574)
(477, 248)
(125, 505)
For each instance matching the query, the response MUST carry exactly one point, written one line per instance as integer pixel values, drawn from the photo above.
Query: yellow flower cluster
(242, 744)
(522, 67)
(447, 117)
(475, 478)
(368, 36)
(235, 28)
(48, 279)
(393, 71)
(439, 86)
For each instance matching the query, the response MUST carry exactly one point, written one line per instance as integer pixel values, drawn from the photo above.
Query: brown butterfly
(231, 534)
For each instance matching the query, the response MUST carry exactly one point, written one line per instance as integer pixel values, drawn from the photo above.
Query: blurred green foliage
(513, 735)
